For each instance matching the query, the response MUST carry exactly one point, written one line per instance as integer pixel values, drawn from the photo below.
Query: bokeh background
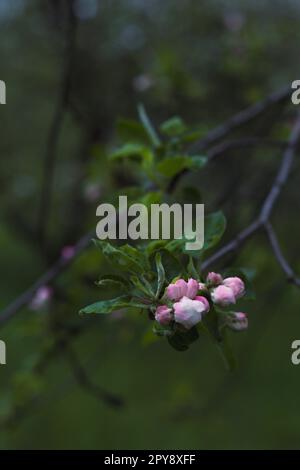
(203, 61)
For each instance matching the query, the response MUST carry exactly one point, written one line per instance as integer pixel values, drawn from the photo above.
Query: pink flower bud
(204, 300)
(214, 279)
(236, 285)
(189, 312)
(41, 297)
(192, 288)
(177, 290)
(67, 252)
(163, 315)
(223, 296)
(237, 321)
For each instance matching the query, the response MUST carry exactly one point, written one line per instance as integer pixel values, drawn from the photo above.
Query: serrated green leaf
(145, 288)
(125, 257)
(111, 280)
(107, 306)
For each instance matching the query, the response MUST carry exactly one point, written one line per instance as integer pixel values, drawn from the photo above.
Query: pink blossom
(237, 321)
(189, 312)
(192, 288)
(92, 192)
(163, 315)
(67, 252)
(204, 300)
(214, 279)
(177, 290)
(236, 285)
(223, 296)
(41, 297)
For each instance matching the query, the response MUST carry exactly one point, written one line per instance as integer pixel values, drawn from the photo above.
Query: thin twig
(240, 119)
(234, 122)
(57, 268)
(244, 142)
(84, 381)
(56, 126)
(286, 268)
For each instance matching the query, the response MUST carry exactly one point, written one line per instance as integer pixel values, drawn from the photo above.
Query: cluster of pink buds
(187, 301)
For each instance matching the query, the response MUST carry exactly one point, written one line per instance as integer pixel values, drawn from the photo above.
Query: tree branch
(286, 268)
(83, 380)
(262, 222)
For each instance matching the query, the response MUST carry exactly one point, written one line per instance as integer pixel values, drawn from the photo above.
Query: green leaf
(152, 197)
(162, 330)
(134, 150)
(198, 161)
(171, 166)
(173, 126)
(111, 280)
(182, 339)
(146, 289)
(149, 128)
(160, 274)
(214, 227)
(192, 271)
(125, 257)
(107, 306)
(129, 129)
(178, 342)
(172, 266)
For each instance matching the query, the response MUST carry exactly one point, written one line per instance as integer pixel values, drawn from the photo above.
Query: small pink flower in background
(237, 321)
(223, 296)
(92, 192)
(163, 315)
(236, 285)
(142, 82)
(68, 252)
(189, 312)
(41, 298)
(234, 20)
(204, 300)
(192, 288)
(214, 279)
(177, 290)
